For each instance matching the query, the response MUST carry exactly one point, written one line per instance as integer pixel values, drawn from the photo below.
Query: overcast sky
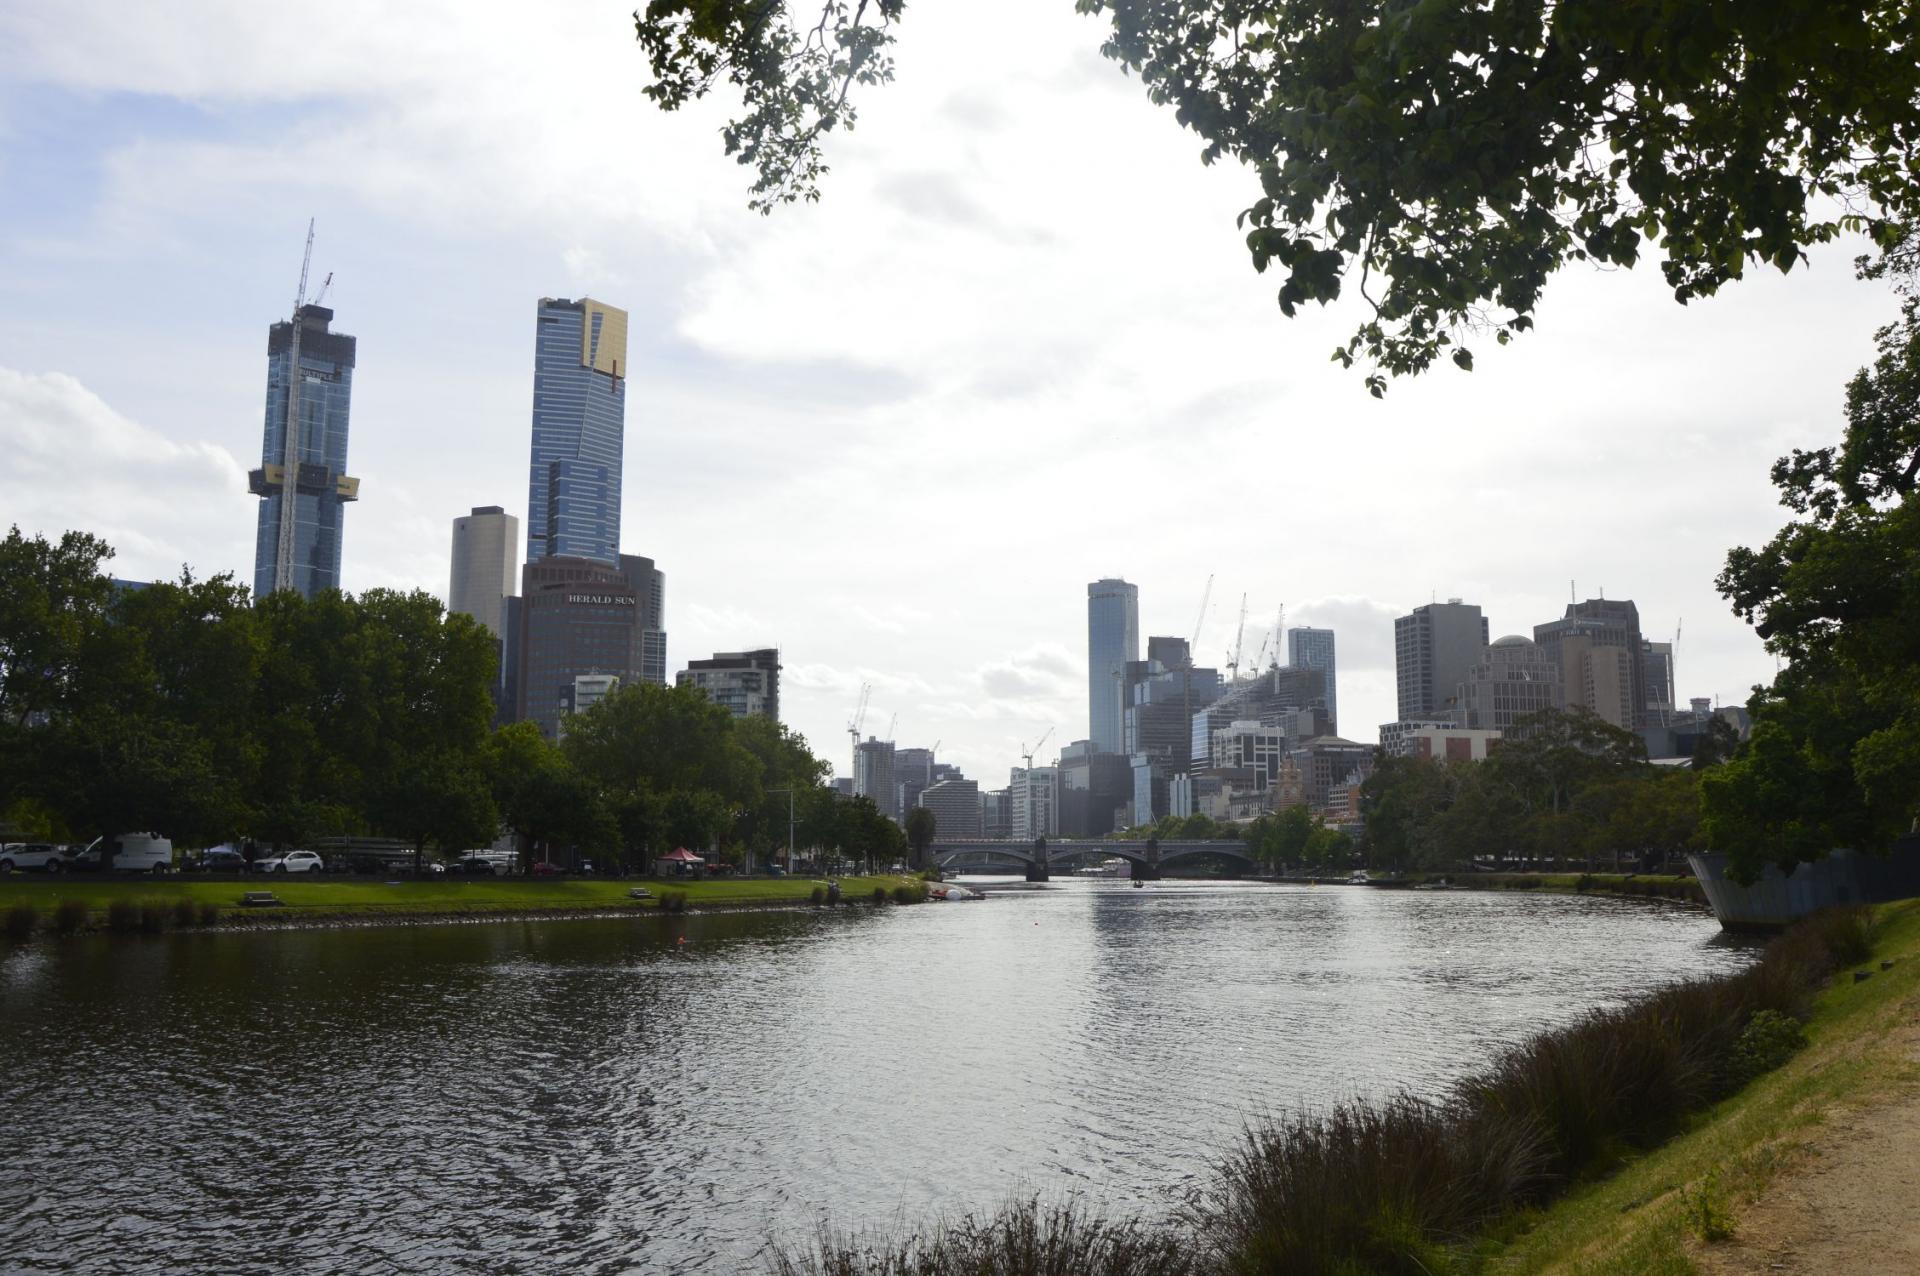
(1017, 347)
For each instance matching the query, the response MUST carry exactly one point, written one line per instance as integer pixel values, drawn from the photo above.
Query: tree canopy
(1835, 756)
(1442, 159)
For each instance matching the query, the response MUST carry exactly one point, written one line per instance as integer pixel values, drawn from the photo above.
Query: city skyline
(785, 399)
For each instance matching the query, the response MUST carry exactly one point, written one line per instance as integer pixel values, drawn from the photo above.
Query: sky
(1018, 346)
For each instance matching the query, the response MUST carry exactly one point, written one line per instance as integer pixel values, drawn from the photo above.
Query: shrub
(1705, 1208)
(879, 894)
(1769, 1040)
(1022, 1237)
(69, 916)
(123, 916)
(209, 913)
(910, 893)
(818, 896)
(673, 901)
(184, 913)
(22, 919)
(153, 915)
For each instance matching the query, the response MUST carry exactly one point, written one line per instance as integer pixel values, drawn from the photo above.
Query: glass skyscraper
(1113, 642)
(1310, 648)
(579, 429)
(320, 484)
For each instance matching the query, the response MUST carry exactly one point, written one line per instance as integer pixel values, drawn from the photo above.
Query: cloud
(1362, 628)
(73, 462)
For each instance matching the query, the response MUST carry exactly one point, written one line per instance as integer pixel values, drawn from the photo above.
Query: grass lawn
(369, 896)
(1648, 1219)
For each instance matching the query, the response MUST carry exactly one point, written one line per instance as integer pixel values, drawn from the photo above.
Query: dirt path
(1852, 1204)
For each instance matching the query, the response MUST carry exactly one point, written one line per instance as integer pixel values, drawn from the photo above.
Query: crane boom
(1239, 639)
(290, 449)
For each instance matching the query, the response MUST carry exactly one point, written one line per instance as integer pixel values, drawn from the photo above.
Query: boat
(1112, 866)
(1359, 878)
(953, 893)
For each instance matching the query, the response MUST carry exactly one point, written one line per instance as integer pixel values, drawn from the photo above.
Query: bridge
(1037, 859)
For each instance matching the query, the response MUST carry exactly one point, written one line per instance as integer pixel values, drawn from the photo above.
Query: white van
(125, 853)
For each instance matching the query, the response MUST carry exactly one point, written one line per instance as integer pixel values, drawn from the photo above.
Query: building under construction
(310, 389)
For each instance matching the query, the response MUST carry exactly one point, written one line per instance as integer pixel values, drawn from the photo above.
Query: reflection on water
(666, 1094)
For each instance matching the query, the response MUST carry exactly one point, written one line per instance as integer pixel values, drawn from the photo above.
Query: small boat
(953, 893)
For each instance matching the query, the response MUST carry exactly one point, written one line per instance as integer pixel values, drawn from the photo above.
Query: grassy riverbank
(1662, 1213)
(365, 898)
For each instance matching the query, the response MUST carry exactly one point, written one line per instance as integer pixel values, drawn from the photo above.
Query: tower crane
(1239, 640)
(854, 724)
(319, 298)
(892, 722)
(290, 445)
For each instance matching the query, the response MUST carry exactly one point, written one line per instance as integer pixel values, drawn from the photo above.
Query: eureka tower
(579, 429)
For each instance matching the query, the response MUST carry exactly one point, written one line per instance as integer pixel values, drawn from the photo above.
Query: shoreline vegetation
(1622, 1143)
(67, 905)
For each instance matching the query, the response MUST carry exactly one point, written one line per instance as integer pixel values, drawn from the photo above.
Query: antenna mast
(290, 451)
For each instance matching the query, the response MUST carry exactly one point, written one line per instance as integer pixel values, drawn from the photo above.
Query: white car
(25, 856)
(290, 862)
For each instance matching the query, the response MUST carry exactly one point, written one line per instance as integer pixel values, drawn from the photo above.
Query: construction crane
(853, 726)
(1279, 633)
(320, 298)
(290, 449)
(1239, 640)
(892, 722)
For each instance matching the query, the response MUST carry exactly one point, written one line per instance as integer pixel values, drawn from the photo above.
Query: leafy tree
(544, 801)
(53, 600)
(1442, 159)
(1281, 839)
(920, 829)
(1546, 757)
(1834, 759)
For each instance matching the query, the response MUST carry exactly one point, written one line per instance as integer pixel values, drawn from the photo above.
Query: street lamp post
(789, 793)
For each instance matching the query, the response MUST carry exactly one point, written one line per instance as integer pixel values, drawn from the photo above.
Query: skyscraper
(486, 565)
(1433, 648)
(1601, 656)
(579, 430)
(580, 617)
(322, 389)
(1310, 648)
(1113, 640)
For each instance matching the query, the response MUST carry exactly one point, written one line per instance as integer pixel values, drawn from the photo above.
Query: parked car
(474, 868)
(124, 853)
(220, 859)
(31, 857)
(290, 862)
(545, 868)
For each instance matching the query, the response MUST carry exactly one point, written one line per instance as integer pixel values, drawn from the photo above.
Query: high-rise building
(578, 616)
(1309, 648)
(1113, 641)
(579, 431)
(1294, 698)
(322, 392)
(1657, 658)
(1093, 789)
(1600, 653)
(1515, 678)
(1433, 647)
(746, 683)
(486, 565)
(1034, 793)
(956, 808)
(873, 775)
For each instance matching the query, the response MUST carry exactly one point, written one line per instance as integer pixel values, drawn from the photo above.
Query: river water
(667, 1094)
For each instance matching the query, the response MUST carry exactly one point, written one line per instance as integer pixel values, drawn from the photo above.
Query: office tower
(747, 683)
(956, 808)
(1600, 653)
(579, 617)
(1433, 648)
(1113, 640)
(1093, 789)
(873, 775)
(322, 390)
(579, 431)
(486, 565)
(1309, 648)
(1657, 658)
(1515, 679)
(1034, 792)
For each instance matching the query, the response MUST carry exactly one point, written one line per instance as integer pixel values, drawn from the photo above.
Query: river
(666, 1094)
